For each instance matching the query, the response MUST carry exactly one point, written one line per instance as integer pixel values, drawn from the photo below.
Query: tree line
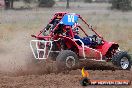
(116, 4)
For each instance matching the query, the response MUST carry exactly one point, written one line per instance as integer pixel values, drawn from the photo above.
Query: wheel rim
(70, 61)
(124, 63)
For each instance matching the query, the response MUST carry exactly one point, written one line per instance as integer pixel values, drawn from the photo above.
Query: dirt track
(61, 80)
(19, 70)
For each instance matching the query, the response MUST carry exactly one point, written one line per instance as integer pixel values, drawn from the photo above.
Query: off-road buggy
(68, 39)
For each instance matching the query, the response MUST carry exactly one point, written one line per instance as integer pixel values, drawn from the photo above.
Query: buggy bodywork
(59, 34)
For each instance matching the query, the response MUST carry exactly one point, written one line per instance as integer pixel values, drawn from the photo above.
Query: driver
(86, 40)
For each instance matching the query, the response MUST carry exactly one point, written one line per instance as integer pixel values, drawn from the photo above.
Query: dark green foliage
(67, 5)
(46, 3)
(121, 4)
(27, 1)
(88, 1)
(9, 4)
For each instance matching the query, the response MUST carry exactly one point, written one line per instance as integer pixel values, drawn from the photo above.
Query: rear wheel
(122, 60)
(67, 59)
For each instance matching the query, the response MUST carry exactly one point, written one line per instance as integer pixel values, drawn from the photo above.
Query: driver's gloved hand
(48, 26)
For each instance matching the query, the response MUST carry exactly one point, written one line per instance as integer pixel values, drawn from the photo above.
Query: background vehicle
(57, 41)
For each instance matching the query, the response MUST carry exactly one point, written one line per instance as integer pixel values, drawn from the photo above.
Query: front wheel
(122, 60)
(67, 59)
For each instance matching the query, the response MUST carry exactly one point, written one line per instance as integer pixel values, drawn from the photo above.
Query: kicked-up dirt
(18, 69)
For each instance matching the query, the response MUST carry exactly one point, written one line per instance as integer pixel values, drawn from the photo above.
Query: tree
(9, 4)
(121, 4)
(46, 3)
(88, 1)
(27, 1)
(67, 5)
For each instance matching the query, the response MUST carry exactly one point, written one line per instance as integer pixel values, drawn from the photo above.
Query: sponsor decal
(85, 81)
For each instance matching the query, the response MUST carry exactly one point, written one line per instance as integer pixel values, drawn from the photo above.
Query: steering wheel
(96, 40)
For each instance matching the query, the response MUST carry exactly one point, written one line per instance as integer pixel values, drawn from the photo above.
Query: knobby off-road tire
(122, 60)
(67, 60)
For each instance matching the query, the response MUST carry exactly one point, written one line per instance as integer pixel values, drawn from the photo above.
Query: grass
(112, 25)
